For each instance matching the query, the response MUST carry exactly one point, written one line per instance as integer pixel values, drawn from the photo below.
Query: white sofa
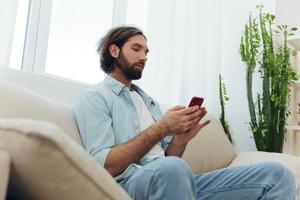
(41, 155)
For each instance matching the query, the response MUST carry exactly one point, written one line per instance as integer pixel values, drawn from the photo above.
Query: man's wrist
(154, 134)
(177, 142)
(160, 130)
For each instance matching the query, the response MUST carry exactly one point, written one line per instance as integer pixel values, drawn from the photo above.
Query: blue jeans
(171, 178)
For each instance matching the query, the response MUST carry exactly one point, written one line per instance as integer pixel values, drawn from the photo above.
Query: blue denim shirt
(106, 116)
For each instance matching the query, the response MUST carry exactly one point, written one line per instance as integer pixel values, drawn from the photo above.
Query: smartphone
(196, 101)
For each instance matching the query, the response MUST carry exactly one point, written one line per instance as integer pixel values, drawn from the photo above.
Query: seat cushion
(210, 149)
(4, 173)
(289, 161)
(48, 164)
(18, 102)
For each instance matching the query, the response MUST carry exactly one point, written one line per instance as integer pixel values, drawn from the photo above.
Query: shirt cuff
(101, 156)
(165, 142)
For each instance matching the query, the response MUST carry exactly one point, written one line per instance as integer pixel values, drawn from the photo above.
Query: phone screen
(196, 101)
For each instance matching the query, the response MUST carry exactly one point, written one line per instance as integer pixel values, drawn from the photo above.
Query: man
(124, 130)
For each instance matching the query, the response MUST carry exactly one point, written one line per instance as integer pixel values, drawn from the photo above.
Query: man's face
(132, 57)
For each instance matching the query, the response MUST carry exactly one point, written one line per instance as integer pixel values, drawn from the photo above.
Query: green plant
(258, 49)
(223, 98)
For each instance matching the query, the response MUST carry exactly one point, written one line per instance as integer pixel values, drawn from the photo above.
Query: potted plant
(223, 98)
(271, 59)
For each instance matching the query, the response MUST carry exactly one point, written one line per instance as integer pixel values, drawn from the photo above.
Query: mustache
(142, 63)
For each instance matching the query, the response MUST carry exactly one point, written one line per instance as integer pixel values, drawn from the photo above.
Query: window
(62, 35)
(75, 28)
(19, 35)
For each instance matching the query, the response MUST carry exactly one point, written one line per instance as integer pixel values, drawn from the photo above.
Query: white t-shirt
(146, 121)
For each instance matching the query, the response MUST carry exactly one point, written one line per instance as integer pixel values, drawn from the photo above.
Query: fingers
(188, 110)
(199, 114)
(191, 120)
(176, 108)
(203, 112)
(194, 115)
(199, 126)
(203, 124)
(189, 124)
(196, 121)
(182, 119)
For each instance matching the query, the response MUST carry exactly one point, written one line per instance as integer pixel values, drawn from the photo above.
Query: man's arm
(175, 148)
(121, 156)
(176, 120)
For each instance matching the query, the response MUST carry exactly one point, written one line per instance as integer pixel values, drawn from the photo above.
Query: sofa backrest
(18, 102)
(210, 149)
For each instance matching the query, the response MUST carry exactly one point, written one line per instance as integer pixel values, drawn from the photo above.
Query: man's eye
(135, 49)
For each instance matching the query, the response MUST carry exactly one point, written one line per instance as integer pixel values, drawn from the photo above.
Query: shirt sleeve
(95, 125)
(165, 142)
(162, 109)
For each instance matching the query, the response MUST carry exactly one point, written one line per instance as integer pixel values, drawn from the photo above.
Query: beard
(129, 70)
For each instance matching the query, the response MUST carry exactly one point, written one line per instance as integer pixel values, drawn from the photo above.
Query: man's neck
(120, 76)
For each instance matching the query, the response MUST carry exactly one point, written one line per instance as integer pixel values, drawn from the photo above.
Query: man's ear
(114, 50)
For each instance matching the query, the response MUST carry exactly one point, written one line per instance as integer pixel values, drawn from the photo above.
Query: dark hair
(118, 36)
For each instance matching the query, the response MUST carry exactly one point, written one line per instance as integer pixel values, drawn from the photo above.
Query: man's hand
(185, 137)
(179, 141)
(179, 119)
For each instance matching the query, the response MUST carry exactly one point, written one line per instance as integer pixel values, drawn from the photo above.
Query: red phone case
(196, 101)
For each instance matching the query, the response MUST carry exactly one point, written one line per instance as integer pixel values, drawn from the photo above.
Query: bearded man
(124, 130)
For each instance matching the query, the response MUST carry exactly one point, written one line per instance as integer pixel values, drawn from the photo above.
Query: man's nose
(143, 57)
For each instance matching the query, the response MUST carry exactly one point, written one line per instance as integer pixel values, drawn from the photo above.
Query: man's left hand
(183, 138)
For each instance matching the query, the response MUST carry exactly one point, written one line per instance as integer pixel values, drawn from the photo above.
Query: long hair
(118, 36)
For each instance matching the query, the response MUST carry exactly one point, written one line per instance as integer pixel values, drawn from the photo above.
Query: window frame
(38, 28)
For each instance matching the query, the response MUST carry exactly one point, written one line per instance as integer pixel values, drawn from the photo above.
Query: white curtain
(191, 42)
(184, 41)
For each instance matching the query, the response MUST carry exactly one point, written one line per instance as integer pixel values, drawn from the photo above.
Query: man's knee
(174, 168)
(279, 174)
(286, 175)
(166, 178)
(276, 169)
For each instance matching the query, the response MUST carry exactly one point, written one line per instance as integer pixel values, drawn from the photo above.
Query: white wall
(288, 12)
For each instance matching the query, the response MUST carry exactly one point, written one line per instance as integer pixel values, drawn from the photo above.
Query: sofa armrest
(48, 164)
(4, 173)
(289, 161)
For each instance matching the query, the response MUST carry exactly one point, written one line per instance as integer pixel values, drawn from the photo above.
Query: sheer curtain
(184, 59)
(191, 42)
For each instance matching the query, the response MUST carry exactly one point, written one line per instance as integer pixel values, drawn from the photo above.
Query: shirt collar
(117, 86)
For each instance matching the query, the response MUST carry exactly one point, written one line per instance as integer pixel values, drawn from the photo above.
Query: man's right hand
(179, 119)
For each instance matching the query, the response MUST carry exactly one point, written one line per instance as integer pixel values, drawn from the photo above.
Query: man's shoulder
(100, 89)
(96, 92)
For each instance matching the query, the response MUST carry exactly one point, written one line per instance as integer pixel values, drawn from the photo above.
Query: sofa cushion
(210, 149)
(48, 164)
(18, 102)
(289, 161)
(4, 173)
